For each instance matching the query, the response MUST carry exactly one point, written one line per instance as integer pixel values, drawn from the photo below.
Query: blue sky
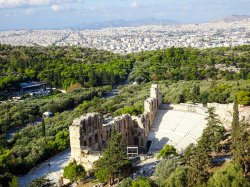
(35, 14)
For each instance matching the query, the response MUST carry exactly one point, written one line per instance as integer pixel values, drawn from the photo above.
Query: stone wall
(90, 133)
(197, 108)
(85, 135)
(225, 113)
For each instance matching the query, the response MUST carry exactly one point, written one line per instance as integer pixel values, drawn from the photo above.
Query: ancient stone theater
(90, 133)
(175, 124)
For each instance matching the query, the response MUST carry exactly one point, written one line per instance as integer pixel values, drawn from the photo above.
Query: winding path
(57, 162)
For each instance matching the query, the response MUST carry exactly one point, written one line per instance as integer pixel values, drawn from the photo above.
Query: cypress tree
(235, 131)
(240, 140)
(43, 128)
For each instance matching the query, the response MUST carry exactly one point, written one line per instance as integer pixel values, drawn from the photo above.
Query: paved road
(57, 163)
(146, 168)
(112, 93)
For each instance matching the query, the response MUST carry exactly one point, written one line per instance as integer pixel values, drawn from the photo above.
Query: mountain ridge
(231, 18)
(125, 23)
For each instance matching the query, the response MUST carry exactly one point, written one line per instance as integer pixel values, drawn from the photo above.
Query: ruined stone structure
(90, 133)
(225, 113)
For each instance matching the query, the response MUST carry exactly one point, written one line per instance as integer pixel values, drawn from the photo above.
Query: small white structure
(132, 151)
(135, 83)
(48, 114)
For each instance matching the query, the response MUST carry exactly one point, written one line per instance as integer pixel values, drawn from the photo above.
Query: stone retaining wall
(225, 113)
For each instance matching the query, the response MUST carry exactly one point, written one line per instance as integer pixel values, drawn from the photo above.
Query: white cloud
(18, 3)
(10, 15)
(57, 7)
(23, 3)
(30, 12)
(134, 4)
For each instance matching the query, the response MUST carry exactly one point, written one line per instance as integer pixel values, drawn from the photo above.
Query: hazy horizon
(51, 14)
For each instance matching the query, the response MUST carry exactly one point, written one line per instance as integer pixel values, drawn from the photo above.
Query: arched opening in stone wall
(96, 138)
(149, 142)
(107, 134)
(142, 142)
(136, 141)
(85, 143)
(89, 124)
(90, 141)
(104, 143)
(135, 124)
(84, 130)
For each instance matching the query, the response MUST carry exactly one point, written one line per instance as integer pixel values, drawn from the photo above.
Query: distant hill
(126, 23)
(231, 18)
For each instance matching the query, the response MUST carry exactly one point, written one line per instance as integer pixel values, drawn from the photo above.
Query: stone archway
(96, 138)
(90, 141)
(136, 141)
(149, 142)
(142, 142)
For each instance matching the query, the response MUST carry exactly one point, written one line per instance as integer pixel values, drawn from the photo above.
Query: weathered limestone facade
(90, 133)
(225, 113)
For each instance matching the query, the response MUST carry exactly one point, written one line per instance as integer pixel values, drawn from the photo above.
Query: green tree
(213, 133)
(196, 93)
(240, 140)
(197, 168)
(41, 182)
(243, 97)
(125, 182)
(141, 182)
(167, 151)
(62, 140)
(236, 131)
(74, 172)
(114, 158)
(14, 182)
(244, 156)
(177, 178)
(181, 98)
(188, 153)
(231, 175)
(163, 170)
(43, 128)
(102, 175)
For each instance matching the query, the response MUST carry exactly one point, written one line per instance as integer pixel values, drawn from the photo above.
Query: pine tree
(114, 160)
(213, 133)
(198, 158)
(197, 174)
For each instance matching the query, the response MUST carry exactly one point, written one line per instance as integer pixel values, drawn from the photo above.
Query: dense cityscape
(128, 93)
(135, 39)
